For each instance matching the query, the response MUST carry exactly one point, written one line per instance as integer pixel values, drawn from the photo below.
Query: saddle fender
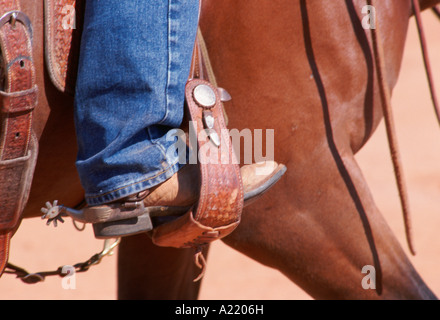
(18, 98)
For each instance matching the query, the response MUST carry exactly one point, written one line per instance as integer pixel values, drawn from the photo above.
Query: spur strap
(18, 98)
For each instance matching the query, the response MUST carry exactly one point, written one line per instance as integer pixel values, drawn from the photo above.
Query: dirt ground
(38, 247)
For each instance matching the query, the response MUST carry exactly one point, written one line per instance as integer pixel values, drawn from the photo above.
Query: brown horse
(305, 69)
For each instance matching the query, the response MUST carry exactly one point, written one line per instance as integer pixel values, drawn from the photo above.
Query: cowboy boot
(164, 202)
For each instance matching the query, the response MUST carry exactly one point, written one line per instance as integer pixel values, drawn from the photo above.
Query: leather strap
(423, 45)
(221, 186)
(201, 67)
(385, 96)
(63, 22)
(218, 211)
(18, 98)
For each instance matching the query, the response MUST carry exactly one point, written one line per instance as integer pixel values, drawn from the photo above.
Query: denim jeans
(134, 63)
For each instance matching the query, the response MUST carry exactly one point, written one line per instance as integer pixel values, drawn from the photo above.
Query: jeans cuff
(133, 188)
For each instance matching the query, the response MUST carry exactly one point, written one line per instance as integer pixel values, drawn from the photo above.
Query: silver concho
(213, 136)
(204, 95)
(208, 120)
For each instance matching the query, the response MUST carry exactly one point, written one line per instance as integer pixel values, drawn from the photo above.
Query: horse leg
(146, 271)
(323, 229)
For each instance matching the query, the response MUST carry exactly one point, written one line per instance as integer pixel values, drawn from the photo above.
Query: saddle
(218, 211)
(18, 98)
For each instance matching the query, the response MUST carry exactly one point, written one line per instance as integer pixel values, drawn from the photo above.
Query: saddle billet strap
(18, 98)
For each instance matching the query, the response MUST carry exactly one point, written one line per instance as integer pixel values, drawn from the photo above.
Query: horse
(305, 69)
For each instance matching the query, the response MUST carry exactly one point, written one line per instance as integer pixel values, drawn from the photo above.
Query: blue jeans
(134, 63)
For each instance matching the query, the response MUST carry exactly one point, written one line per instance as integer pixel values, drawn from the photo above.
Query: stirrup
(132, 217)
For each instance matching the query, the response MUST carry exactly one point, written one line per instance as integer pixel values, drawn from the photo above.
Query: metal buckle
(13, 16)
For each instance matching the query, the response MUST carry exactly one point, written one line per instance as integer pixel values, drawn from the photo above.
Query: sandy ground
(40, 248)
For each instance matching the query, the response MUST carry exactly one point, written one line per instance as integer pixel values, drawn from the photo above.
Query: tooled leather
(19, 72)
(221, 200)
(186, 232)
(218, 211)
(12, 191)
(61, 43)
(4, 250)
(18, 97)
